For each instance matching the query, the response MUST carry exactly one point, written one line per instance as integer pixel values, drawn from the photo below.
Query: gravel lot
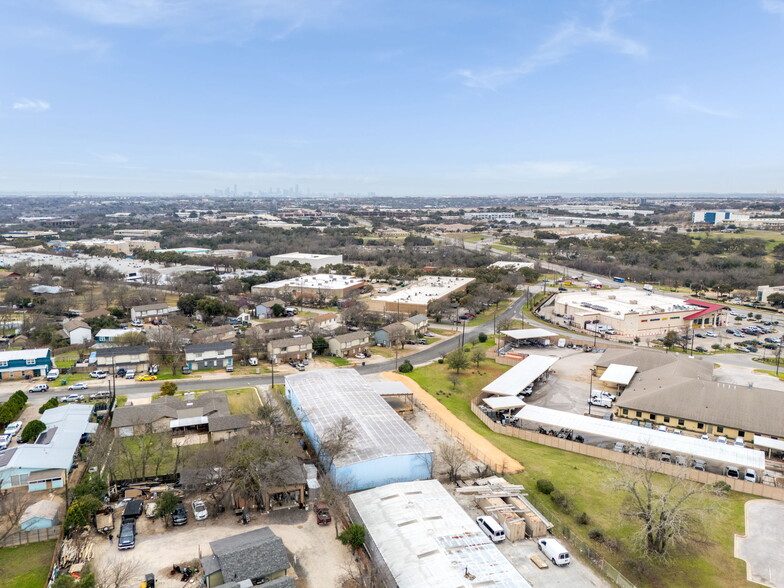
(318, 557)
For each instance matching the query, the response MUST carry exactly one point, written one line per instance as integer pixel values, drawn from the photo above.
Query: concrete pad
(760, 547)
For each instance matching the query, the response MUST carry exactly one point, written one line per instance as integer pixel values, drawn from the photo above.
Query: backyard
(26, 566)
(588, 484)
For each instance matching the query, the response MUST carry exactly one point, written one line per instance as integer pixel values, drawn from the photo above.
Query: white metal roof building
(316, 260)
(522, 334)
(54, 449)
(326, 285)
(414, 297)
(514, 381)
(385, 449)
(420, 537)
(617, 373)
(675, 444)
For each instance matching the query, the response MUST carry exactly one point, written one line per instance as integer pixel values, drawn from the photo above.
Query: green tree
(167, 502)
(81, 511)
(777, 298)
(278, 310)
(477, 356)
(32, 430)
(320, 345)
(457, 360)
(168, 388)
(671, 339)
(91, 485)
(353, 536)
(405, 367)
(187, 303)
(51, 403)
(778, 251)
(482, 337)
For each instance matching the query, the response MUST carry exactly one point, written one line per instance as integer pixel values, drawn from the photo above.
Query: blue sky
(392, 97)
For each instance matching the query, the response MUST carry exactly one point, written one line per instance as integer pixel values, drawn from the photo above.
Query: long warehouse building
(384, 449)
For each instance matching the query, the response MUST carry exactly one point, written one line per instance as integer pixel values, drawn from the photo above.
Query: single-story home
(202, 356)
(214, 334)
(416, 325)
(145, 311)
(77, 332)
(44, 464)
(135, 357)
(282, 350)
(21, 361)
(349, 344)
(264, 309)
(40, 515)
(257, 556)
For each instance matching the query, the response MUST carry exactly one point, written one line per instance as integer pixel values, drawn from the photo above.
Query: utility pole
(272, 365)
(590, 392)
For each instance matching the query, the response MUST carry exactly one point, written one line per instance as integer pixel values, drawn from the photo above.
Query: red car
(322, 513)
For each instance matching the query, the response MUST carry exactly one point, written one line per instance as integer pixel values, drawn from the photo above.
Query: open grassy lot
(65, 360)
(242, 400)
(588, 483)
(771, 238)
(26, 566)
(336, 361)
(487, 314)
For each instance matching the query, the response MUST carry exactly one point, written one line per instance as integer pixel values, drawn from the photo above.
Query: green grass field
(336, 361)
(771, 238)
(587, 481)
(487, 314)
(26, 566)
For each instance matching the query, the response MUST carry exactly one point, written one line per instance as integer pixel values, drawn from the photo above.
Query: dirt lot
(318, 557)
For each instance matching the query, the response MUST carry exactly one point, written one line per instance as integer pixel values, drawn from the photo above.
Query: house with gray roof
(258, 556)
(349, 344)
(283, 350)
(201, 356)
(214, 334)
(135, 357)
(77, 332)
(416, 325)
(145, 311)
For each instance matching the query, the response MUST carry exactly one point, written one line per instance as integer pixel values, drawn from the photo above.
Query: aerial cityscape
(375, 295)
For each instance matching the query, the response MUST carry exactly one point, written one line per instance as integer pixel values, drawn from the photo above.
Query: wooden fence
(23, 537)
(756, 489)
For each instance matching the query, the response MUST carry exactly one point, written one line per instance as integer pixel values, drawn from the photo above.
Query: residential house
(193, 420)
(108, 335)
(386, 336)
(151, 311)
(264, 309)
(324, 323)
(214, 334)
(202, 356)
(252, 558)
(416, 325)
(77, 332)
(35, 362)
(349, 344)
(288, 482)
(276, 329)
(9, 276)
(134, 357)
(44, 464)
(283, 350)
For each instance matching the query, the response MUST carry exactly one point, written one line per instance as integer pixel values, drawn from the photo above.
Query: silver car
(199, 510)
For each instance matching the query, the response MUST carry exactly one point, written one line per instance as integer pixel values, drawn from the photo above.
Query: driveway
(760, 548)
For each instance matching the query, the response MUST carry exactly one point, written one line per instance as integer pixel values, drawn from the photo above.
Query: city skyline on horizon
(575, 97)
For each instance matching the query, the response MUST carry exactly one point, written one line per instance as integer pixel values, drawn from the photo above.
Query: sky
(441, 97)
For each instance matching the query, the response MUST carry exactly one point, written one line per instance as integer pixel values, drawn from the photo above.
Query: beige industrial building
(634, 312)
(414, 298)
(125, 245)
(320, 285)
(315, 260)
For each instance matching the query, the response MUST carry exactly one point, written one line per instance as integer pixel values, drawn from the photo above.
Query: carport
(520, 376)
(618, 374)
(769, 444)
(529, 336)
(675, 444)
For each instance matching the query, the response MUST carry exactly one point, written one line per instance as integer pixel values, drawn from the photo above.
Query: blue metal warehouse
(384, 450)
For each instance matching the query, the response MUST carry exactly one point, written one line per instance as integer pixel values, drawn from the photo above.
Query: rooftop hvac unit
(632, 302)
(611, 297)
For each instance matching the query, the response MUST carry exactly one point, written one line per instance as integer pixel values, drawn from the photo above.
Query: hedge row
(12, 408)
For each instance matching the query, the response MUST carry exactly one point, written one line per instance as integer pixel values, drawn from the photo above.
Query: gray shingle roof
(72, 325)
(229, 422)
(352, 337)
(417, 319)
(126, 350)
(156, 306)
(277, 325)
(213, 404)
(216, 346)
(290, 341)
(255, 554)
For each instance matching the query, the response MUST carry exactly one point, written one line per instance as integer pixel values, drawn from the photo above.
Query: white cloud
(111, 157)
(31, 105)
(773, 6)
(570, 37)
(680, 103)
(539, 170)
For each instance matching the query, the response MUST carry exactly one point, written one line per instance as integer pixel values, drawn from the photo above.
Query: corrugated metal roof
(520, 376)
(328, 395)
(617, 373)
(503, 402)
(676, 444)
(528, 333)
(427, 540)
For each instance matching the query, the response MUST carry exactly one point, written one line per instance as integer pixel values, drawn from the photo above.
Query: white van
(491, 528)
(750, 475)
(53, 374)
(554, 551)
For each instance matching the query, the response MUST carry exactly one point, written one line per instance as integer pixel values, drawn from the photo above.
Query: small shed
(41, 515)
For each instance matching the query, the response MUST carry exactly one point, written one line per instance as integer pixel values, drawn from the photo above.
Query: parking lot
(576, 575)
(319, 558)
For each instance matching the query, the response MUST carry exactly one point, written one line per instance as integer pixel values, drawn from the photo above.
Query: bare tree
(453, 457)
(150, 276)
(397, 335)
(361, 573)
(13, 503)
(336, 441)
(169, 343)
(119, 572)
(669, 507)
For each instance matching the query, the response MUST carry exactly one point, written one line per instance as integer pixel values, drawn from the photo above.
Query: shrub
(583, 518)
(405, 367)
(168, 389)
(562, 501)
(51, 403)
(441, 360)
(81, 511)
(32, 430)
(721, 487)
(596, 535)
(545, 486)
(482, 337)
(91, 485)
(354, 536)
